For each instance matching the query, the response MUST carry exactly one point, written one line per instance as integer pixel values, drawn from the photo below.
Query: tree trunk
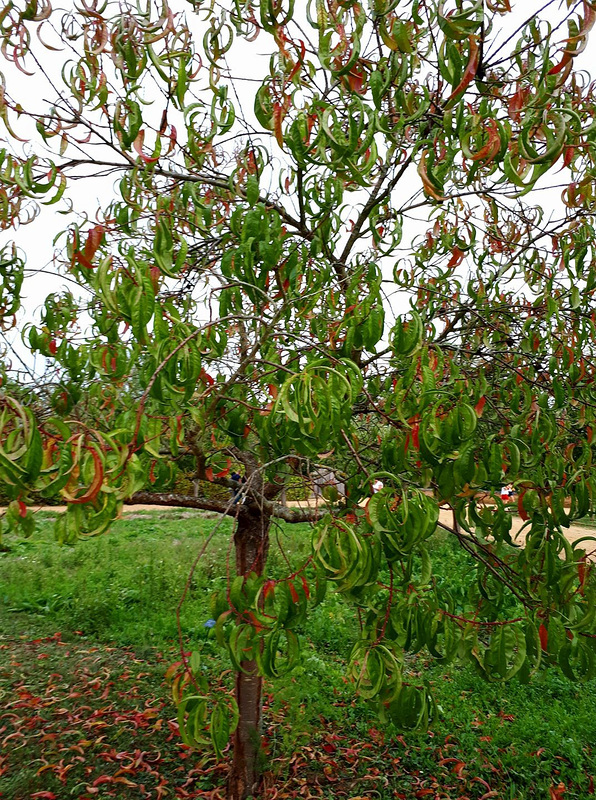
(251, 540)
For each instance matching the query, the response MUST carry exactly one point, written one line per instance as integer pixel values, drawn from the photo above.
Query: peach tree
(344, 236)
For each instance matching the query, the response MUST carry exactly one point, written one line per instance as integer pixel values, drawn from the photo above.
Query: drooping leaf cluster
(371, 252)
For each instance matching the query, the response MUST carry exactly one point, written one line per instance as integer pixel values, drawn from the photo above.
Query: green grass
(92, 697)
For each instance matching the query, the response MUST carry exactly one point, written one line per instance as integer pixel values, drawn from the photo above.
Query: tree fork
(251, 541)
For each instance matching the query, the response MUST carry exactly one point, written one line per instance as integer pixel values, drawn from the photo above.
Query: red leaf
(576, 44)
(273, 390)
(491, 149)
(415, 436)
(102, 779)
(505, 717)
(94, 238)
(557, 792)
(469, 72)
(209, 473)
(138, 146)
(277, 120)
(293, 592)
(429, 186)
(95, 485)
(569, 151)
(251, 163)
(154, 275)
(305, 587)
(479, 407)
(535, 342)
(164, 121)
(207, 378)
(356, 80)
(22, 509)
(457, 256)
(263, 412)
(562, 63)
(570, 353)
(516, 103)
(520, 507)
(52, 347)
(173, 139)
(224, 472)
(458, 769)
(543, 634)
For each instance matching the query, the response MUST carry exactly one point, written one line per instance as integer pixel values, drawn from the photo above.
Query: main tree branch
(173, 500)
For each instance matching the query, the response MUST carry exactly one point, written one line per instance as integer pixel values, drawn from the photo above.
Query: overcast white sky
(246, 60)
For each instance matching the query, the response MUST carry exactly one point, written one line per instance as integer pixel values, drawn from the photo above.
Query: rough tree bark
(251, 541)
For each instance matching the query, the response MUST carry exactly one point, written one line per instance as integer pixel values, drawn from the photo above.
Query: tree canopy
(347, 236)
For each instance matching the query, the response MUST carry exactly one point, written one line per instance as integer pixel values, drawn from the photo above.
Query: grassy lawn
(87, 633)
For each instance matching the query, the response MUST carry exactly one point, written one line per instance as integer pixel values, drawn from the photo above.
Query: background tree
(236, 297)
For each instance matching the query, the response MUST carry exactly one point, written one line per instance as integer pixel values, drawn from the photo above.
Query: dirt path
(573, 533)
